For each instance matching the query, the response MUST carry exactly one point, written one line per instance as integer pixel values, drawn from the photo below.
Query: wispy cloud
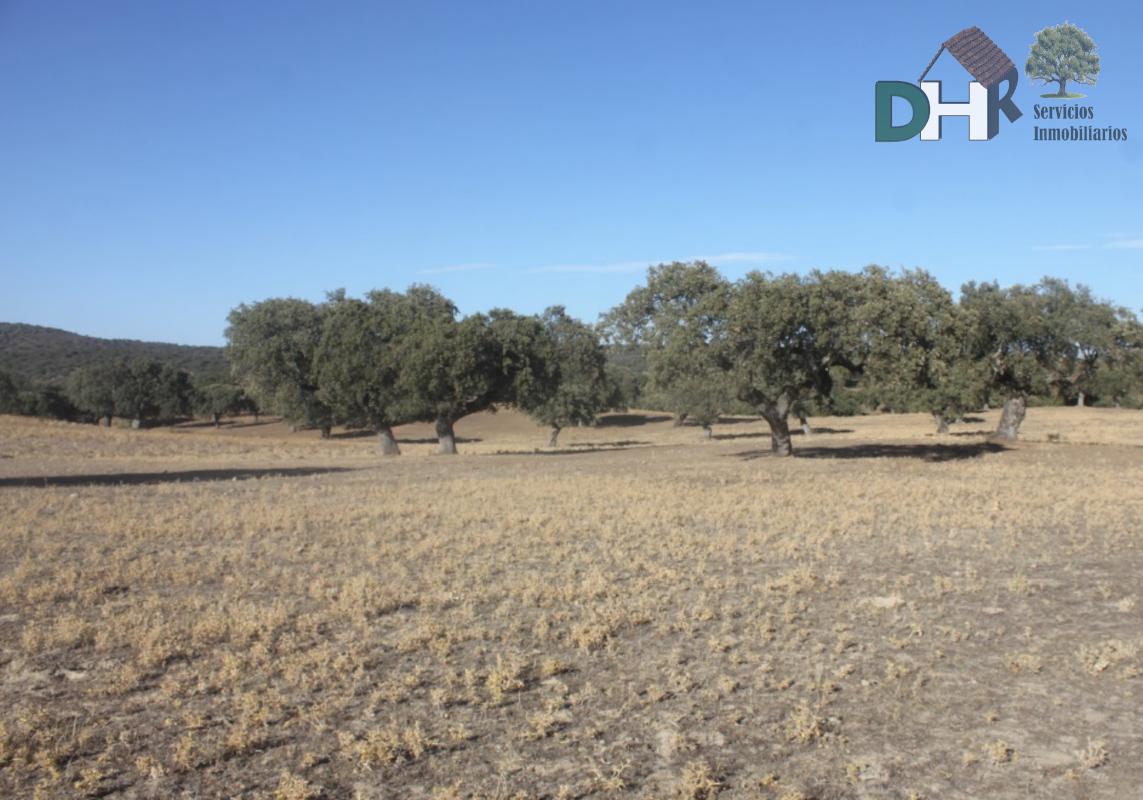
(620, 266)
(742, 257)
(455, 268)
(1057, 248)
(1126, 244)
(1120, 242)
(749, 257)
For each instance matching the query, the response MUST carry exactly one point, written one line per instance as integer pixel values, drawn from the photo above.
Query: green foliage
(789, 334)
(48, 402)
(1117, 379)
(1048, 341)
(142, 390)
(173, 392)
(453, 368)
(1088, 331)
(922, 363)
(215, 400)
(271, 346)
(92, 389)
(362, 351)
(574, 385)
(627, 373)
(1063, 53)
(677, 322)
(9, 395)
(1006, 332)
(43, 356)
(527, 364)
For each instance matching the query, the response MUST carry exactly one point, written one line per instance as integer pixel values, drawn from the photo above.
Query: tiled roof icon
(985, 62)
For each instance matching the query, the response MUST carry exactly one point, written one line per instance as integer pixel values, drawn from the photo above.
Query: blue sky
(161, 162)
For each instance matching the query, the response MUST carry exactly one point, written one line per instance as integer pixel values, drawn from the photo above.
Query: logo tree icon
(1061, 54)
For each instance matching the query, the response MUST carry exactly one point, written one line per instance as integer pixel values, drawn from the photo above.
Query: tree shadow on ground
(231, 424)
(629, 420)
(144, 478)
(354, 434)
(433, 440)
(577, 449)
(766, 434)
(922, 452)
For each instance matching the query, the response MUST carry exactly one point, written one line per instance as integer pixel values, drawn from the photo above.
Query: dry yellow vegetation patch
(246, 612)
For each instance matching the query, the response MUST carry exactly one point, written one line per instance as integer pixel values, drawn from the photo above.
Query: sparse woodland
(687, 340)
(775, 346)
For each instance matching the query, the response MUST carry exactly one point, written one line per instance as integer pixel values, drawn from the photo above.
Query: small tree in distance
(216, 399)
(678, 318)
(92, 390)
(9, 395)
(1061, 54)
(576, 386)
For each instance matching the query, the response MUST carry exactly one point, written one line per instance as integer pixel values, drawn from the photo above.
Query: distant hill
(48, 355)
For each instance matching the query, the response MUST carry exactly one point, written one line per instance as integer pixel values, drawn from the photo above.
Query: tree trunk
(942, 422)
(105, 421)
(217, 419)
(446, 439)
(326, 431)
(554, 437)
(776, 417)
(1011, 417)
(707, 432)
(1063, 86)
(388, 444)
(680, 419)
(806, 429)
(1080, 400)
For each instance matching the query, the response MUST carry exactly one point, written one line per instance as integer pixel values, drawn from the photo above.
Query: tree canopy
(574, 386)
(271, 347)
(678, 320)
(363, 349)
(1061, 54)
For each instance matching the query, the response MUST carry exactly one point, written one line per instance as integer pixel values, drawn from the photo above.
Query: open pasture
(246, 612)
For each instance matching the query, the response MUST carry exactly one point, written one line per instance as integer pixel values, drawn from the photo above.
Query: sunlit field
(892, 613)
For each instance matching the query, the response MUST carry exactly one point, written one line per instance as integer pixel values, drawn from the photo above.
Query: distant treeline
(687, 341)
(52, 373)
(46, 356)
(138, 391)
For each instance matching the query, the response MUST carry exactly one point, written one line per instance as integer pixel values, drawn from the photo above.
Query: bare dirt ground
(890, 614)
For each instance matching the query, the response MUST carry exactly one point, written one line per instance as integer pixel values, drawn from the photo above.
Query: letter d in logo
(885, 130)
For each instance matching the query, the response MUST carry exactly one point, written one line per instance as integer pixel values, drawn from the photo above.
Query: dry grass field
(890, 614)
